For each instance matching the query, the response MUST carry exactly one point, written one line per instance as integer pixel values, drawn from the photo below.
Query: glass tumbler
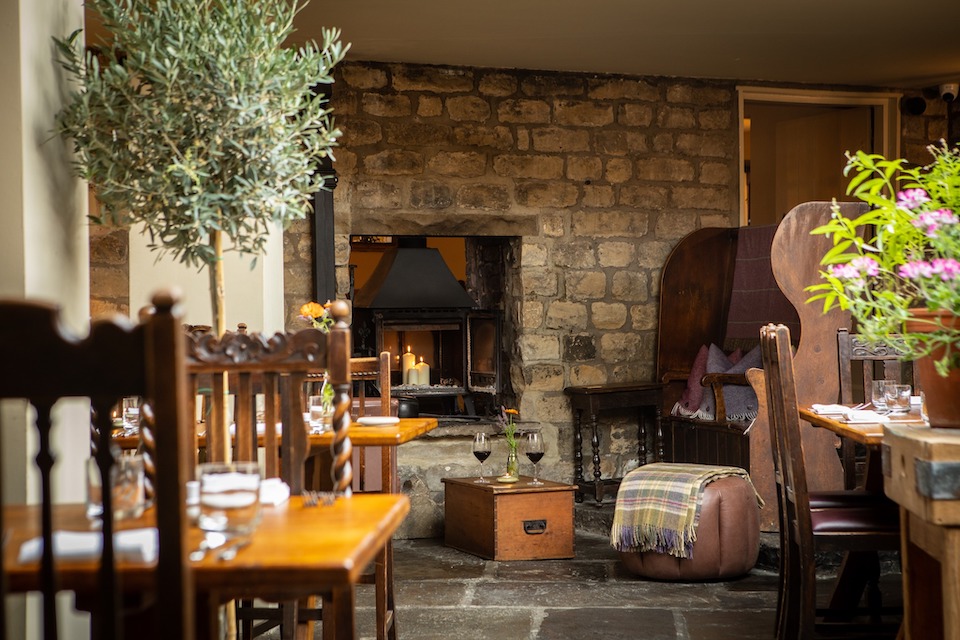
(229, 497)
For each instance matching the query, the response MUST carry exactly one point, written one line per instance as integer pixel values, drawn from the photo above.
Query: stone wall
(594, 177)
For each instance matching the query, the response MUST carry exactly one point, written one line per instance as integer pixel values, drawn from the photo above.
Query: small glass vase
(513, 467)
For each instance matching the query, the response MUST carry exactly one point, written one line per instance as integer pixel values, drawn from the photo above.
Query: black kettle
(408, 407)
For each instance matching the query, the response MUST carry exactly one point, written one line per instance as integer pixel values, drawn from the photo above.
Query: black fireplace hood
(413, 278)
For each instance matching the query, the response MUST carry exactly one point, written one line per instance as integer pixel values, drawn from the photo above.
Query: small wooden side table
(644, 396)
(518, 521)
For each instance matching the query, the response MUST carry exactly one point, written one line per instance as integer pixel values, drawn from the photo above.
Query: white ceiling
(878, 43)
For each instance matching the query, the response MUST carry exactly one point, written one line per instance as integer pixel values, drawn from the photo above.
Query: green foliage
(196, 121)
(901, 254)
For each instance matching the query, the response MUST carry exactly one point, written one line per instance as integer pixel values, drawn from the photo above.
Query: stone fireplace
(433, 324)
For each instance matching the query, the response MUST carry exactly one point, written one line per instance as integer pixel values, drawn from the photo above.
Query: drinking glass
(898, 398)
(229, 497)
(878, 395)
(128, 483)
(131, 413)
(321, 417)
(533, 448)
(481, 450)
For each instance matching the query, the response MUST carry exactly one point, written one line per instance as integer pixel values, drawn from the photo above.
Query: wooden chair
(40, 363)
(861, 362)
(805, 530)
(277, 367)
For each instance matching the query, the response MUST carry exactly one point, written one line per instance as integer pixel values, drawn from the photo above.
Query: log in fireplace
(412, 304)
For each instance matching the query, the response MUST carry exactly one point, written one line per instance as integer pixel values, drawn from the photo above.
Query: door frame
(887, 102)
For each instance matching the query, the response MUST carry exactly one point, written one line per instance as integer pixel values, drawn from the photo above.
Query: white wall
(252, 296)
(44, 244)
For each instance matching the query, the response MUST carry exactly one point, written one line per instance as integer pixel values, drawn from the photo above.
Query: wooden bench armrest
(674, 376)
(715, 382)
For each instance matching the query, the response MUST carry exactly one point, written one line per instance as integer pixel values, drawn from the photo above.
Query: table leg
(856, 571)
(658, 433)
(923, 610)
(578, 455)
(950, 583)
(641, 437)
(595, 445)
(340, 625)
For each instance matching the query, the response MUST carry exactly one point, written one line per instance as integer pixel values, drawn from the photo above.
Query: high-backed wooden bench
(720, 286)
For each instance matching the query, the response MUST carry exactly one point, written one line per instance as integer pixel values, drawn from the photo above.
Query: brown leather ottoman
(728, 538)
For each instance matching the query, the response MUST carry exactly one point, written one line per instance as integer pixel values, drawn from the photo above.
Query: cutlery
(230, 551)
(210, 542)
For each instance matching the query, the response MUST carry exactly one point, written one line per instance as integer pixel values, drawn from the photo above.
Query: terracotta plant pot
(942, 393)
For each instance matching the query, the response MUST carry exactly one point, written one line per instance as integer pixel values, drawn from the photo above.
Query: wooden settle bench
(719, 286)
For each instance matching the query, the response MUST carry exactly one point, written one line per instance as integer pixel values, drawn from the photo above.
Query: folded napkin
(830, 409)
(865, 416)
(261, 428)
(274, 491)
(132, 545)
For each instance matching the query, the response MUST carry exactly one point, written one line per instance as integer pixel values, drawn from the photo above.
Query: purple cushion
(693, 395)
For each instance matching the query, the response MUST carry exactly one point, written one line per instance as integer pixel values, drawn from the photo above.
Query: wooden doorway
(793, 145)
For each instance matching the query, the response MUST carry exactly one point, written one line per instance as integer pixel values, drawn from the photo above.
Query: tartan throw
(658, 506)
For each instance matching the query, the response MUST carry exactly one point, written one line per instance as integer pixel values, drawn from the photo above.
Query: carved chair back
(41, 363)
(277, 367)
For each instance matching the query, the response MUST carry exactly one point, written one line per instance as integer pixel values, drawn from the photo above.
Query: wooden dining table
(931, 597)
(388, 438)
(296, 551)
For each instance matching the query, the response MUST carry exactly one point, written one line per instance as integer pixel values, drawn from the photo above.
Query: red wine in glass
(533, 448)
(481, 450)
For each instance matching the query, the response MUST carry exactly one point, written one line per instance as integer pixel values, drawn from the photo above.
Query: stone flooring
(443, 593)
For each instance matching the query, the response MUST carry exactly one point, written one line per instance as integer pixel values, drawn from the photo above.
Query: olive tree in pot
(197, 122)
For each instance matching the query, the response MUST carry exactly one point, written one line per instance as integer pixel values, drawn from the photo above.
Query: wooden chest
(509, 521)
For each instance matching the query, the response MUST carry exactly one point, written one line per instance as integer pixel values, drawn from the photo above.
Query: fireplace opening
(436, 304)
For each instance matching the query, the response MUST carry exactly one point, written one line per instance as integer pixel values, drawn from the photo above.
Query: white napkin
(274, 491)
(830, 409)
(132, 545)
(865, 416)
(261, 428)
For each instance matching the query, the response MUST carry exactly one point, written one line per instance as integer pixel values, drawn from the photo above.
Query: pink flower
(910, 199)
(866, 265)
(916, 269)
(844, 271)
(946, 268)
(930, 221)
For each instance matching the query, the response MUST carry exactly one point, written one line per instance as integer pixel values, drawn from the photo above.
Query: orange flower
(311, 310)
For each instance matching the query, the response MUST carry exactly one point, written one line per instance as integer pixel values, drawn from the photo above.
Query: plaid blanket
(658, 506)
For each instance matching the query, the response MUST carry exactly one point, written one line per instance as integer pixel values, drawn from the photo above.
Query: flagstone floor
(443, 593)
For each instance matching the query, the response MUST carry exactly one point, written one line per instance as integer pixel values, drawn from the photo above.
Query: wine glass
(481, 450)
(533, 448)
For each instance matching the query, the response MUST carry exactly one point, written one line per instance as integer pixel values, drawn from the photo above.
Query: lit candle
(423, 373)
(409, 362)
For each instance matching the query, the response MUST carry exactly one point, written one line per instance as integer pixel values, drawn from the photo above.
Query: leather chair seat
(849, 498)
(728, 538)
(855, 521)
